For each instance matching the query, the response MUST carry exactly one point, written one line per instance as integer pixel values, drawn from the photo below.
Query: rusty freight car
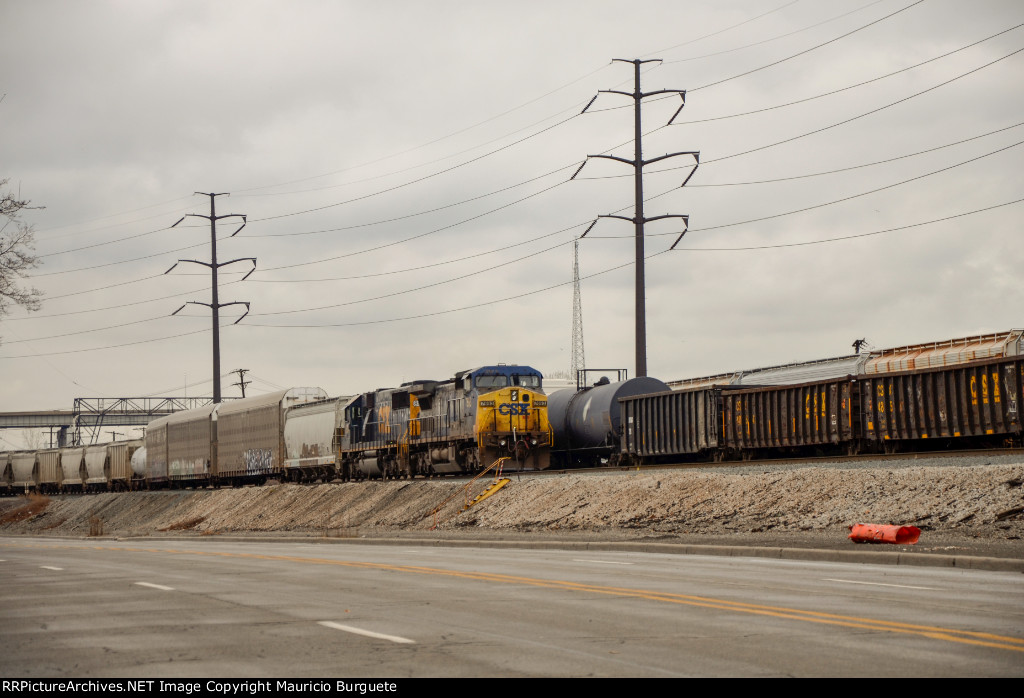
(977, 402)
(789, 418)
(676, 424)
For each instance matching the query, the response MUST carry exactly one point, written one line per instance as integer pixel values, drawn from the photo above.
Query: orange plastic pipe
(882, 533)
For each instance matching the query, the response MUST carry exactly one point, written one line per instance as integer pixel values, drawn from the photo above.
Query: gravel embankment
(971, 506)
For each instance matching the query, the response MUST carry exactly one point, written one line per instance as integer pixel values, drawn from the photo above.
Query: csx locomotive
(459, 425)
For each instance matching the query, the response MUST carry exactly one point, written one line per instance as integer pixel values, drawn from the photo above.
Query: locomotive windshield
(490, 382)
(530, 381)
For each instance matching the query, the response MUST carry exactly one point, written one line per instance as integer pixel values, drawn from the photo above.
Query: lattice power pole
(214, 304)
(579, 361)
(638, 219)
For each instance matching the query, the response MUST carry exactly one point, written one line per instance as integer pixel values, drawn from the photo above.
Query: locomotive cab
(511, 415)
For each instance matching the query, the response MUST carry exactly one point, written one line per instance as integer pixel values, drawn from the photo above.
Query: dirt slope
(982, 502)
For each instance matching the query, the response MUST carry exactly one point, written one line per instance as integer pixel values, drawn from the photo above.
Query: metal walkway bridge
(90, 416)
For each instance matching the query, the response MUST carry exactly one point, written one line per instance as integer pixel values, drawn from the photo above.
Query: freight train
(970, 405)
(421, 428)
(424, 428)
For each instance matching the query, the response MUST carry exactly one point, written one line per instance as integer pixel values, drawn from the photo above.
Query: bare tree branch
(17, 244)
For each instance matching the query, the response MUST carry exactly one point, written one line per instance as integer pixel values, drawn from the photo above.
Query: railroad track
(796, 461)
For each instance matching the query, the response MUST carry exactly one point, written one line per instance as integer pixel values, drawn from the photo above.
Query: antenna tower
(579, 362)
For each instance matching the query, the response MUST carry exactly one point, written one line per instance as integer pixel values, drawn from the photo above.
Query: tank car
(587, 423)
(137, 464)
(463, 424)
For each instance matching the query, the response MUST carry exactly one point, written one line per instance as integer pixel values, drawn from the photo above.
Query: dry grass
(34, 504)
(183, 525)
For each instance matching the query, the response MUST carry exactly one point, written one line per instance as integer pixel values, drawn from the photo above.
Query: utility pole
(214, 304)
(638, 219)
(579, 361)
(241, 379)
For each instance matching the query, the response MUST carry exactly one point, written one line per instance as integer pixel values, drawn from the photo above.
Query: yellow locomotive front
(512, 418)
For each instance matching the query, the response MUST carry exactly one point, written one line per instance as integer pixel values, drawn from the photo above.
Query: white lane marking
(47, 567)
(367, 633)
(879, 584)
(604, 562)
(161, 587)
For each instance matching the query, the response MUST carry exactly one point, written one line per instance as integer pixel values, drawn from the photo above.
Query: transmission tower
(579, 362)
(214, 305)
(638, 219)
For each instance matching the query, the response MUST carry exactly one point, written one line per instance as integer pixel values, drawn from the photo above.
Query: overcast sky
(404, 167)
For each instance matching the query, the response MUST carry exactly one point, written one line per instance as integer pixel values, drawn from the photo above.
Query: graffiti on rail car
(258, 461)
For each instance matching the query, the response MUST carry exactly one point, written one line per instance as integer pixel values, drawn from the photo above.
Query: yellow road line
(933, 632)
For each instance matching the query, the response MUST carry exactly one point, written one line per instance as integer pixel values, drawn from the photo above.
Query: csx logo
(506, 408)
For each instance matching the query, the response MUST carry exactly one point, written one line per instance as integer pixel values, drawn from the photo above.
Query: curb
(860, 556)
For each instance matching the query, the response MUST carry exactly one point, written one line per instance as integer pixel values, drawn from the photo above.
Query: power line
(520, 294)
(506, 263)
(706, 162)
(523, 294)
(774, 38)
(104, 348)
(35, 316)
(806, 51)
(835, 201)
(845, 237)
(848, 87)
(867, 113)
(418, 235)
(506, 247)
(729, 28)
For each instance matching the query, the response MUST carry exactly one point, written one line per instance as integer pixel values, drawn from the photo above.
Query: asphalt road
(214, 608)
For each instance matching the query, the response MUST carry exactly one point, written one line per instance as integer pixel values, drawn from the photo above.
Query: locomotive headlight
(503, 442)
(533, 442)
